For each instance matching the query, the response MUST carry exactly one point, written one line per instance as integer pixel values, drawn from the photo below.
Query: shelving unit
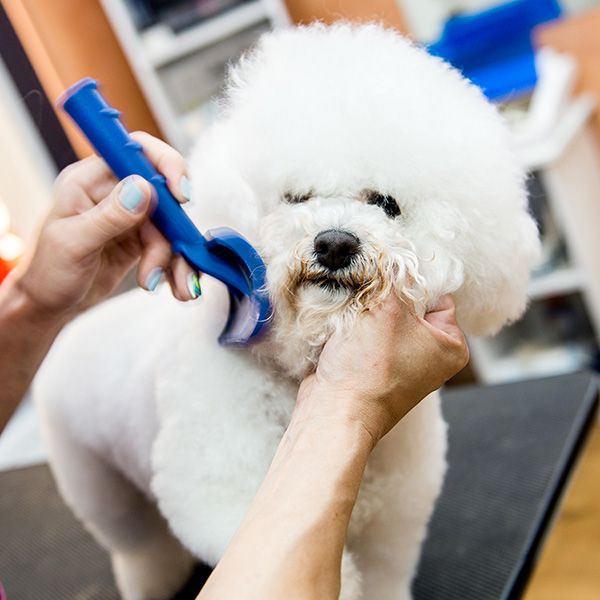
(563, 280)
(164, 46)
(181, 72)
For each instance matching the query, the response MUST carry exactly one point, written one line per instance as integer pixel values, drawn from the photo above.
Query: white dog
(357, 165)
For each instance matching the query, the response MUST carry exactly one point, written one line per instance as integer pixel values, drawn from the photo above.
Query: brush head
(251, 311)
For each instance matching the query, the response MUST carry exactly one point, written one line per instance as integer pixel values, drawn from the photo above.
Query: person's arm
(25, 338)
(96, 232)
(290, 543)
(291, 540)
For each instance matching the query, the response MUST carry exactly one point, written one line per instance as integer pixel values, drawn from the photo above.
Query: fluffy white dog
(357, 165)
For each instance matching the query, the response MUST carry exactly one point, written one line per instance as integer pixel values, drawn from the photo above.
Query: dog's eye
(292, 198)
(387, 203)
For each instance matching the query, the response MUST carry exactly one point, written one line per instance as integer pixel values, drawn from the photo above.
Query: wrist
(329, 433)
(22, 307)
(341, 407)
(25, 337)
(321, 455)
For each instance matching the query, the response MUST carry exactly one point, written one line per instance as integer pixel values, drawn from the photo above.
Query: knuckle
(147, 140)
(69, 172)
(63, 248)
(456, 351)
(466, 356)
(66, 181)
(141, 135)
(101, 220)
(462, 356)
(110, 217)
(161, 250)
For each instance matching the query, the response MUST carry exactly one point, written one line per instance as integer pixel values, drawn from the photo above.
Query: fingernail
(131, 195)
(153, 279)
(185, 188)
(193, 285)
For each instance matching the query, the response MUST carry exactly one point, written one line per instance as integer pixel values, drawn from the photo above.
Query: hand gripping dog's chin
(358, 165)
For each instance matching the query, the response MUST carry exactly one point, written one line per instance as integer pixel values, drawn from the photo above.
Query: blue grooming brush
(223, 253)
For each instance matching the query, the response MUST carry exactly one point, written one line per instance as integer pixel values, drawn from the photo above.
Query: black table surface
(511, 449)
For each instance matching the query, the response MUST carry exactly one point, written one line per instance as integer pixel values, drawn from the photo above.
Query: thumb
(123, 209)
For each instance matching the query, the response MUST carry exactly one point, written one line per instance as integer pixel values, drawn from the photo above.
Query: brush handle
(101, 125)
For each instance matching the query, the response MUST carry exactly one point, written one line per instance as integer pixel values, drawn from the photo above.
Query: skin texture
(88, 243)
(291, 541)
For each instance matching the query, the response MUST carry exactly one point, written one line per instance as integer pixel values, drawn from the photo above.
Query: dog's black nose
(335, 248)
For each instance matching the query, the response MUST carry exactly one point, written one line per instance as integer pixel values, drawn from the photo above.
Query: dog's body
(358, 166)
(199, 444)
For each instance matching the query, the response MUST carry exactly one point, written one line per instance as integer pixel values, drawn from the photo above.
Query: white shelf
(534, 362)
(563, 280)
(150, 52)
(540, 153)
(163, 46)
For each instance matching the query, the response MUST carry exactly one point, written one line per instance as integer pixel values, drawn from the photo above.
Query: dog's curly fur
(346, 128)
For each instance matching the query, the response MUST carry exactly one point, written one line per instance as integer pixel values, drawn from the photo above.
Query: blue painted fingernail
(131, 195)
(153, 279)
(185, 188)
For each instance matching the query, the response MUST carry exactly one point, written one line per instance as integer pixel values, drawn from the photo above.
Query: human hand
(385, 366)
(98, 230)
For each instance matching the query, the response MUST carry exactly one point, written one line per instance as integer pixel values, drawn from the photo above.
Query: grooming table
(511, 450)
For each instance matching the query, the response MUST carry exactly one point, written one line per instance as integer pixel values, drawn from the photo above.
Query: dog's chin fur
(311, 303)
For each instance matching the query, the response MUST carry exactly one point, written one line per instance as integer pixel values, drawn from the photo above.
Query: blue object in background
(494, 48)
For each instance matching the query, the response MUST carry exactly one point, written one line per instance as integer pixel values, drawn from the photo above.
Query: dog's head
(358, 164)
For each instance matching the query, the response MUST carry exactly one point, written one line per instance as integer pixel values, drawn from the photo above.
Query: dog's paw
(156, 571)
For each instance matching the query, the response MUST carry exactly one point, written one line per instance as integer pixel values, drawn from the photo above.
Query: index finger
(168, 162)
(81, 185)
(442, 322)
(443, 315)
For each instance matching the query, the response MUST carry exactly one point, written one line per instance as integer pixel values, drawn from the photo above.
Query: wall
(70, 39)
(26, 171)
(305, 11)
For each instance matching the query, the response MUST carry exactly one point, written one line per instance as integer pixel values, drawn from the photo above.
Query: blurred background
(163, 63)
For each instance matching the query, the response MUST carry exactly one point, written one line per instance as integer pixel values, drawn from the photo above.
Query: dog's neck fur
(284, 349)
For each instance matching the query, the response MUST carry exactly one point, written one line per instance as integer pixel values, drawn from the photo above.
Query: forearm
(290, 543)
(26, 334)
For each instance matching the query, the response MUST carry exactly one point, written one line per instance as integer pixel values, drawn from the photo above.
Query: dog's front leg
(148, 562)
(351, 578)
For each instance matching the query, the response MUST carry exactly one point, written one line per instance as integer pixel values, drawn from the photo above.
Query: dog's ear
(496, 276)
